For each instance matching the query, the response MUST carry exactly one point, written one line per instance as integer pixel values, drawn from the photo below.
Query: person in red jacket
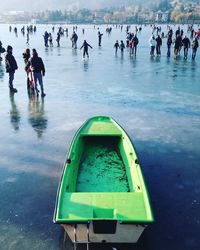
(37, 67)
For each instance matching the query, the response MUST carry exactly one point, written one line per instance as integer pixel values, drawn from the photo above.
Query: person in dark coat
(99, 38)
(122, 46)
(170, 32)
(135, 44)
(37, 67)
(116, 46)
(177, 46)
(74, 40)
(158, 45)
(11, 66)
(46, 37)
(58, 39)
(178, 32)
(195, 45)
(186, 45)
(169, 43)
(85, 48)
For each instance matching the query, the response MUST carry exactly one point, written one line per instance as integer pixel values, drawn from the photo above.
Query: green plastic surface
(102, 178)
(101, 163)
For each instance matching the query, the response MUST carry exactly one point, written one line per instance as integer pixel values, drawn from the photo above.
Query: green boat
(102, 196)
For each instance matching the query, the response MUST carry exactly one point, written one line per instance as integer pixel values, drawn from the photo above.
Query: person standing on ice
(37, 67)
(152, 43)
(186, 45)
(100, 37)
(195, 45)
(169, 43)
(122, 46)
(58, 39)
(135, 44)
(177, 46)
(116, 46)
(11, 66)
(158, 45)
(74, 40)
(46, 38)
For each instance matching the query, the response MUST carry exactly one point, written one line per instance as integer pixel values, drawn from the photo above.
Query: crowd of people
(180, 40)
(156, 40)
(35, 68)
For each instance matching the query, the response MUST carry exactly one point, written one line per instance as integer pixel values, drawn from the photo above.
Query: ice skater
(74, 40)
(116, 46)
(85, 48)
(58, 39)
(186, 45)
(46, 38)
(100, 37)
(195, 45)
(169, 43)
(135, 44)
(177, 46)
(122, 46)
(158, 45)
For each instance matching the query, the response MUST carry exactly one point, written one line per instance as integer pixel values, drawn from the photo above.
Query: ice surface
(157, 101)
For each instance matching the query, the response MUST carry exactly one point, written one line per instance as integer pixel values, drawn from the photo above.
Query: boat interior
(100, 164)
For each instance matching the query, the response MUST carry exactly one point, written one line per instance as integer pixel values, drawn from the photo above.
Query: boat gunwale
(62, 222)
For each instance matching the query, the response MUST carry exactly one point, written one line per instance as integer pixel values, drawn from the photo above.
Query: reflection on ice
(37, 117)
(1, 71)
(14, 113)
(85, 64)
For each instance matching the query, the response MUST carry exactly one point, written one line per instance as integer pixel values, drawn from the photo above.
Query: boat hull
(125, 233)
(102, 196)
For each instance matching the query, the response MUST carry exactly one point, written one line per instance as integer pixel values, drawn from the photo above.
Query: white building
(165, 16)
(162, 17)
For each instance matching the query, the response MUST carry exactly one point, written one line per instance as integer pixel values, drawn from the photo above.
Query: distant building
(98, 16)
(162, 17)
(147, 16)
(165, 17)
(16, 13)
(16, 16)
(34, 21)
(159, 16)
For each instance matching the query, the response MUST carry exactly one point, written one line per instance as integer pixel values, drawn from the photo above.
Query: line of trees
(178, 12)
(130, 14)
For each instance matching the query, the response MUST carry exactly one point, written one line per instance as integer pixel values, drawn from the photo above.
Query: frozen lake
(157, 101)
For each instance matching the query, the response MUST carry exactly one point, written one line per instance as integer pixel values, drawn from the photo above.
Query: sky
(59, 4)
(36, 5)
